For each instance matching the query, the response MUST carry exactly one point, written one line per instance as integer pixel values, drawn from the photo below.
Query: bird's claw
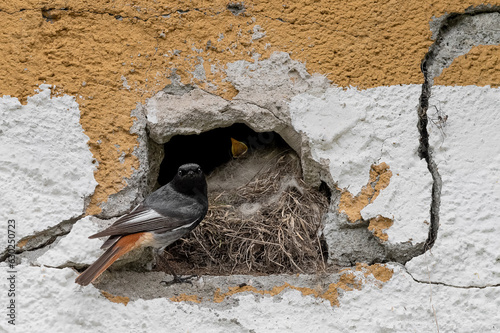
(178, 279)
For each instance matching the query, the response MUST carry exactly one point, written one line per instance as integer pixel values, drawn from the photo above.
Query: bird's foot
(178, 279)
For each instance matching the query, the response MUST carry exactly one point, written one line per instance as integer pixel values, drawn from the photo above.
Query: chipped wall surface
(79, 48)
(478, 67)
(75, 248)
(394, 106)
(47, 169)
(468, 157)
(368, 304)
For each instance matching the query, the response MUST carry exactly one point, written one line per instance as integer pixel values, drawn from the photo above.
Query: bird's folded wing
(147, 219)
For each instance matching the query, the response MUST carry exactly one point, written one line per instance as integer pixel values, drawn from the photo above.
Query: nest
(262, 219)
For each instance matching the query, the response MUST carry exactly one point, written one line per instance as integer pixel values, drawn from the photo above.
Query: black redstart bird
(163, 217)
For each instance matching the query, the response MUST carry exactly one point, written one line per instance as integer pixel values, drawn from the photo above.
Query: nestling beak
(238, 148)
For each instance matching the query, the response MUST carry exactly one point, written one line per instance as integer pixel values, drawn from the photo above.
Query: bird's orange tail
(122, 246)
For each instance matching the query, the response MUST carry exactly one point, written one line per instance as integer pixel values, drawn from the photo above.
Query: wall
(392, 104)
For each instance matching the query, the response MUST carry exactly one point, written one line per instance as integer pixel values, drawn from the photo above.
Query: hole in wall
(212, 149)
(263, 218)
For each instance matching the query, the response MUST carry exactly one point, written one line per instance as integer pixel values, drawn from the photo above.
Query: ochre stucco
(351, 205)
(378, 225)
(186, 298)
(115, 299)
(478, 67)
(87, 49)
(380, 177)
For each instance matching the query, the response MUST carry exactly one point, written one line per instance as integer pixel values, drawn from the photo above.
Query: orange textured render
(380, 177)
(478, 67)
(378, 225)
(111, 55)
(115, 299)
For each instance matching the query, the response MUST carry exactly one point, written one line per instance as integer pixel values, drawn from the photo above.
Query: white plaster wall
(467, 152)
(354, 129)
(45, 163)
(52, 302)
(403, 305)
(76, 247)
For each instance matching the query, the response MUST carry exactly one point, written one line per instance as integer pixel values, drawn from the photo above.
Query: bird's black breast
(170, 203)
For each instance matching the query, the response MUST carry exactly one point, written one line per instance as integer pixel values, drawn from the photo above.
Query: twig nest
(262, 218)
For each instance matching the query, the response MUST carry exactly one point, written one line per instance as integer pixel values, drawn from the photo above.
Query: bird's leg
(177, 278)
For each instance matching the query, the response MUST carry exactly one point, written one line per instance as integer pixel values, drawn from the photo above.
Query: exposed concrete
(264, 90)
(204, 286)
(348, 243)
(455, 34)
(353, 130)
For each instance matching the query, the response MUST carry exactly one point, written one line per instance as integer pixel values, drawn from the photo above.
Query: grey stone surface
(147, 285)
(265, 88)
(456, 34)
(349, 243)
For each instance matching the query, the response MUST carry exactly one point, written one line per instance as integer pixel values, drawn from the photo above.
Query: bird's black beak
(191, 173)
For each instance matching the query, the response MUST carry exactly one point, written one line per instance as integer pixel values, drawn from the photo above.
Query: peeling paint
(115, 299)
(348, 281)
(359, 43)
(378, 225)
(186, 298)
(114, 55)
(379, 272)
(479, 67)
(380, 177)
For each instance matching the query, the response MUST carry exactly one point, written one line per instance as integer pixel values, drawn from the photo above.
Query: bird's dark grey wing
(144, 218)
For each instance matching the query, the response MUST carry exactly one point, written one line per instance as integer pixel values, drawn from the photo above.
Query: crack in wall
(43, 238)
(425, 152)
(450, 285)
(268, 109)
(433, 63)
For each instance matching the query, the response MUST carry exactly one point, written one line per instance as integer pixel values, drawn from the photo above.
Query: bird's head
(190, 179)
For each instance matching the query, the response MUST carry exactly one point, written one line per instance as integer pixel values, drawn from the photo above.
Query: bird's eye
(198, 170)
(181, 173)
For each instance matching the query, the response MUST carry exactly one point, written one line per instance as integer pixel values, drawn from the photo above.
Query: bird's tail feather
(119, 248)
